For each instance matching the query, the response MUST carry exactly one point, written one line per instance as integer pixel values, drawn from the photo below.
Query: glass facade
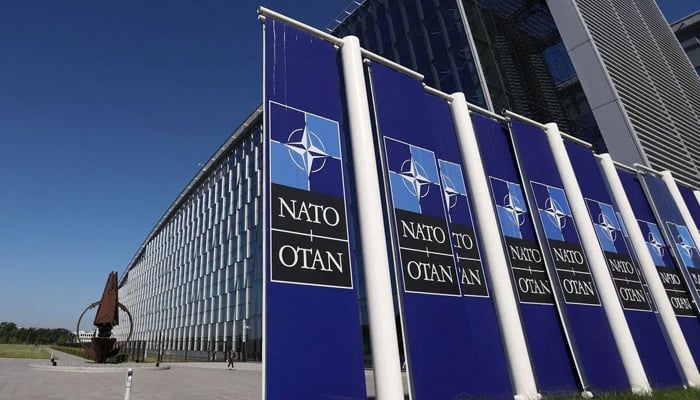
(195, 287)
(523, 64)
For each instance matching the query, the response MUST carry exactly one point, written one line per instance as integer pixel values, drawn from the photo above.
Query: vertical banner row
(588, 327)
(674, 228)
(630, 286)
(312, 342)
(649, 209)
(546, 336)
(451, 334)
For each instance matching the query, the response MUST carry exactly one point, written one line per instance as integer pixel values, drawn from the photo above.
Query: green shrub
(118, 358)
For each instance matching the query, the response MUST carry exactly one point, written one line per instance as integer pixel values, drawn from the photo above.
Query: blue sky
(106, 111)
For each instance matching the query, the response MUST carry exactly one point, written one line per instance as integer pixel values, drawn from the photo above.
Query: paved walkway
(74, 378)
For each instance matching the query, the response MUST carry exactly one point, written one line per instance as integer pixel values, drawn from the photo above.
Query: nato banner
(590, 331)
(631, 289)
(313, 343)
(691, 201)
(451, 335)
(674, 284)
(549, 350)
(683, 247)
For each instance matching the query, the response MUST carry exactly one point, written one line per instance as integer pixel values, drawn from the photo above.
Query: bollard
(129, 377)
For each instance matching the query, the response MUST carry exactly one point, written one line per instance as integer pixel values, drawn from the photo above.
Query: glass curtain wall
(523, 60)
(196, 288)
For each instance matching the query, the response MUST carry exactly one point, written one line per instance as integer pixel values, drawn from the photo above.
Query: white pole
(598, 266)
(503, 295)
(380, 306)
(129, 377)
(646, 263)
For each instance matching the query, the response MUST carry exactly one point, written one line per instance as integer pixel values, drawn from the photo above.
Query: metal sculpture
(106, 318)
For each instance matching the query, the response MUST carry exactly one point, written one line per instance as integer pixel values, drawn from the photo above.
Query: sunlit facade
(195, 285)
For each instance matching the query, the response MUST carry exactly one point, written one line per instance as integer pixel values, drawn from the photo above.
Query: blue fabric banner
(451, 334)
(589, 327)
(671, 278)
(631, 289)
(683, 247)
(692, 202)
(546, 341)
(313, 343)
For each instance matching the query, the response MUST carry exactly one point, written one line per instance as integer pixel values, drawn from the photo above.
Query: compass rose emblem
(656, 244)
(685, 246)
(607, 226)
(450, 190)
(555, 212)
(415, 178)
(514, 209)
(306, 150)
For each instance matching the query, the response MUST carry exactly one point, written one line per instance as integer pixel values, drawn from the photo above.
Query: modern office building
(195, 285)
(687, 31)
(608, 71)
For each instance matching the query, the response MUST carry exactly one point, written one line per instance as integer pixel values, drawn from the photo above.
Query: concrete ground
(76, 378)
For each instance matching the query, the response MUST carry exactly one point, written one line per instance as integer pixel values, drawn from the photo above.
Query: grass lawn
(23, 351)
(670, 394)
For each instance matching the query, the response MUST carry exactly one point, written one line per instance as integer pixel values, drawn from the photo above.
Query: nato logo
(510, 206)
(655, 242)
(606, 225)
(454, 191)
(304, 150)
(685, 245)
(415, 183)
(554, 212)
(452, 183)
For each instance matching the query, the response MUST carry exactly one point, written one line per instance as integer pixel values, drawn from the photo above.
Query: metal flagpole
(598, 265)
(646, 263)
(375, 259)
(504, 299)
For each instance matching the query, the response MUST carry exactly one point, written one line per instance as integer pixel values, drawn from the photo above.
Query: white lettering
(313, 259)
(462, 241)
(634, 295)
(430, 272)
(536, 286)
(423, 232)
(681, 303)
(669, 278)
(621, 266)
(471, 277)
(525, 254)
(568, 256)
(309, 212)
(574, 286)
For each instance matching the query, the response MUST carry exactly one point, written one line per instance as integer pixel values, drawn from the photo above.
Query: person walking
(230, 360)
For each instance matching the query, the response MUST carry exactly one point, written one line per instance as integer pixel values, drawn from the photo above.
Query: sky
(107, 110)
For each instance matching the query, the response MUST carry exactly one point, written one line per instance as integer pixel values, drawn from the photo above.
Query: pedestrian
(230, 360)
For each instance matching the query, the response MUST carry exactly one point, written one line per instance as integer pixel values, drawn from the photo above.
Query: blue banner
(313, 343)
(691, 202)
(631, 289)
(683, 247)
(589, 328)
(452, 340)
(674, 284)
(549, 350)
